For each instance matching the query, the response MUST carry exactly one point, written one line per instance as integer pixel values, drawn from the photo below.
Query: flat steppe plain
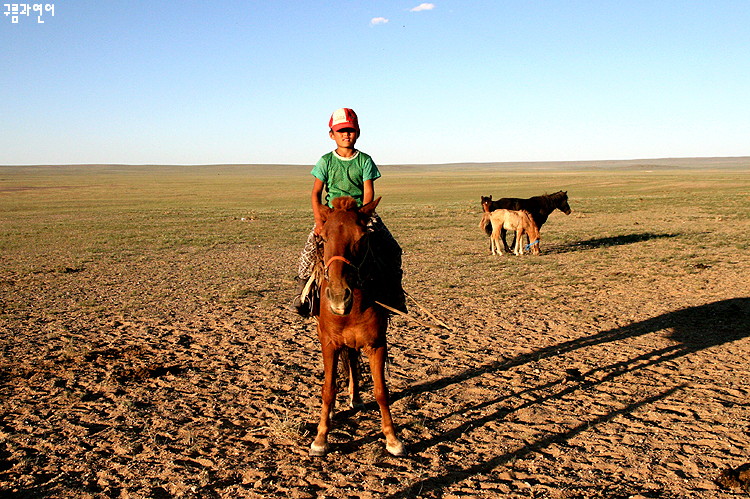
(146, 349)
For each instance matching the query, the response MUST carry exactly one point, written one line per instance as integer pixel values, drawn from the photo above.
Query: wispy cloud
(378, 20)
(423, 6)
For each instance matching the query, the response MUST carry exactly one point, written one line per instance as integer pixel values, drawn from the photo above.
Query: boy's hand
(317, 191)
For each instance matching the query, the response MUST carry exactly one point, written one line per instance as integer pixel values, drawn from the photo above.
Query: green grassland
(65, 216)
(79, 212)
(176, 206)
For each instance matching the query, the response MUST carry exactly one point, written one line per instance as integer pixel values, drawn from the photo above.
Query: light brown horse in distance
(519, 221)
(349, 320)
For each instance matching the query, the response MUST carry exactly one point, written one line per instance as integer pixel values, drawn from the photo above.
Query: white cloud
(378, 20)
(423, 6)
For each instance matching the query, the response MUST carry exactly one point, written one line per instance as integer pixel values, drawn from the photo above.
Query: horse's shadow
(603, 242)
(693, 329)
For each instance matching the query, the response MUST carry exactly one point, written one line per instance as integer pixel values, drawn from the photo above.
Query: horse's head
(344, 226)
(562, 202)
(486, 202)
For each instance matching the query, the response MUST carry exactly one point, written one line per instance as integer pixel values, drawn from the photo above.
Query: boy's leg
(389, 253)
(309, 256)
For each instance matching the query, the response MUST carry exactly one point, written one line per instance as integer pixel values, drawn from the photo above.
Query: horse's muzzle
(339, 301)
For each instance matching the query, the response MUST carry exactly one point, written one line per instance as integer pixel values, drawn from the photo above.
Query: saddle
(376, 273)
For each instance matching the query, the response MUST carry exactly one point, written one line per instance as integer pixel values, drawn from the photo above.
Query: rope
(446, 326)
(440, 324)
(528, 246)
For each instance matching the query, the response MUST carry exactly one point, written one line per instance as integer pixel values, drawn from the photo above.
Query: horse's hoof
(396, 450)
(318, 450)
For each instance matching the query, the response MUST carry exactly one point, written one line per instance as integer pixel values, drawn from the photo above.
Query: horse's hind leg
(352, 355)
(320, 445)
(503, 233)
(495, 242)
(377, 367)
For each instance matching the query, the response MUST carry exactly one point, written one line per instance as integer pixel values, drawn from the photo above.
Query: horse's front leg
(330, 358)
(355, 401)
(377, 358)
(518, 246)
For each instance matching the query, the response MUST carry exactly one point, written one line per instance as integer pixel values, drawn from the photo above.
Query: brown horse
(349, 320)
(540, 208)
(519, 221)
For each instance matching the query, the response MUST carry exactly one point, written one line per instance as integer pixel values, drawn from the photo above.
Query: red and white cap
(343, 118)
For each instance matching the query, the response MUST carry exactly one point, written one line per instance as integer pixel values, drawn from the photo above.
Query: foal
(519, 221)
(348, 319)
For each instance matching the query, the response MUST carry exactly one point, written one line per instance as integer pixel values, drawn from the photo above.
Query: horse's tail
(485, 224)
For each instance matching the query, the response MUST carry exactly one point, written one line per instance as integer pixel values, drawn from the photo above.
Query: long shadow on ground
(693, 329)
(603, 242)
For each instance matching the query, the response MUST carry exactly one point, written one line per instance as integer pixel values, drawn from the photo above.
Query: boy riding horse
(347, 171)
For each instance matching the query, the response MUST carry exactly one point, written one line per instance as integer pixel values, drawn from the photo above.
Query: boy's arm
(317, 192)
(368, 191)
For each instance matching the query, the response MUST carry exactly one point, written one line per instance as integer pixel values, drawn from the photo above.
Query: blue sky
(198, 82)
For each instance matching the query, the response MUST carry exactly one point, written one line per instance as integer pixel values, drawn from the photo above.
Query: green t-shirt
(345, 176)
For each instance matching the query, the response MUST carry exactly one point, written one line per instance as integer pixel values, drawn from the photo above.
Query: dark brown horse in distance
(540, 208)
(349, 320)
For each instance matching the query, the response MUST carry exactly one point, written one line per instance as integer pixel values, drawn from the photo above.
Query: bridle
(347, 262)
(334, 258)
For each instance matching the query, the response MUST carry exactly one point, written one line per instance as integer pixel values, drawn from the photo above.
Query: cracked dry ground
(184, 376)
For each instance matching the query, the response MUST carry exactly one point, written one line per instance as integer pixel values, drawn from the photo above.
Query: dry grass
(146, 350)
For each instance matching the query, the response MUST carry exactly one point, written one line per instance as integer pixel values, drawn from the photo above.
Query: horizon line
(450, 163)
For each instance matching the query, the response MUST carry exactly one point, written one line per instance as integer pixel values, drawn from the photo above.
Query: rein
(440, 324)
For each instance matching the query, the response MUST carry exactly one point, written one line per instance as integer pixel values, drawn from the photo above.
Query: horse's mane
(344, 203)
(550, 201)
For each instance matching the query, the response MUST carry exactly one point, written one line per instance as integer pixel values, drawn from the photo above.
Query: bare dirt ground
(613, 365)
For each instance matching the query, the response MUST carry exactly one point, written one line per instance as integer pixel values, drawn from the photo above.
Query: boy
(347, 171)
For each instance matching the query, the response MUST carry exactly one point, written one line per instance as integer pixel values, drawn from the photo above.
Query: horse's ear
(369, 208)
